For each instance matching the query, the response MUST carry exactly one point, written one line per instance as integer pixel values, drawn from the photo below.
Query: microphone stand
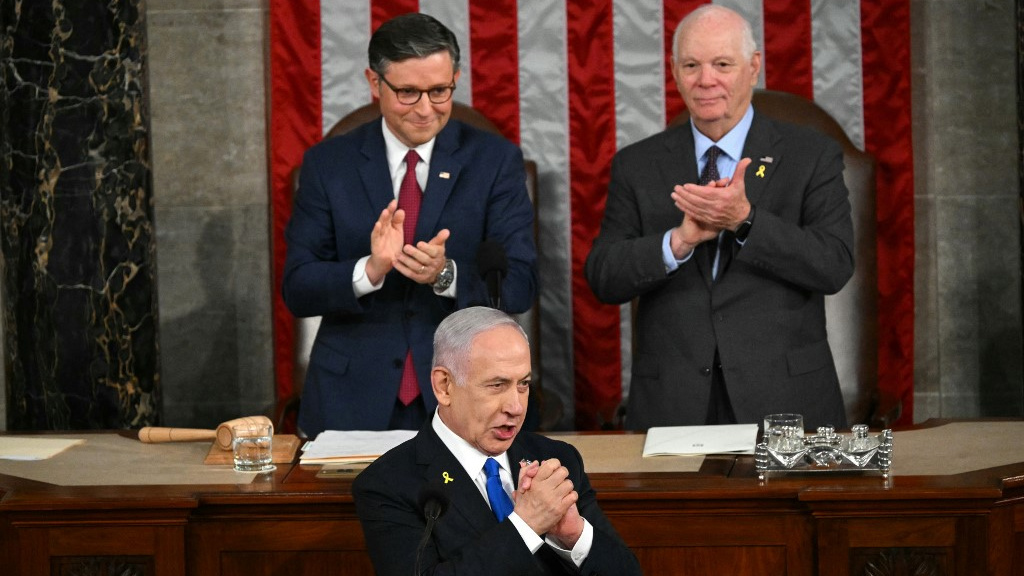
(431, 512)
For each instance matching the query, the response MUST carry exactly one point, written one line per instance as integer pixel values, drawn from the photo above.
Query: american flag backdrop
(571, 81)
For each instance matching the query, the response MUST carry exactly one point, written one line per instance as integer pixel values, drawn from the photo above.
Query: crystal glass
(774, 425)
(253, 447)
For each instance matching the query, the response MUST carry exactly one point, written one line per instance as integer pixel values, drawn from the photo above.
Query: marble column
(79, 298)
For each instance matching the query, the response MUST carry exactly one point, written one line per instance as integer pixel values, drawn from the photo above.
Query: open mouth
(506, 432)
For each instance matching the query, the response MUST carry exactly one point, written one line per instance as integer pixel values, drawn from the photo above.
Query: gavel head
(224, 430)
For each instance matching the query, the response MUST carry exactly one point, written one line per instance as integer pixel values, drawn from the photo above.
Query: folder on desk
(350, 446)
(720, 439)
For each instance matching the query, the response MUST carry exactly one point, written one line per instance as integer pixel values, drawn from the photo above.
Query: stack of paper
(335, 446)
(721, 439)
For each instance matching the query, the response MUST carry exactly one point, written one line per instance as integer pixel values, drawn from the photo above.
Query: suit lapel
(765, 155)
(444, 172)
(516, 453)
(374, 171)
(441, 468)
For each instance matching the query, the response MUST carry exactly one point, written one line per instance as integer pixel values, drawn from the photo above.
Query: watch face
(743, 230)
(445, 277)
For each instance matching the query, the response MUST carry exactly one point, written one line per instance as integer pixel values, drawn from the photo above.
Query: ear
(755, 67)
(374, 82)
(441, 381)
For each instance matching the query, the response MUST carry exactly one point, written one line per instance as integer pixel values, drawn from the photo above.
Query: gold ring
(422, 269)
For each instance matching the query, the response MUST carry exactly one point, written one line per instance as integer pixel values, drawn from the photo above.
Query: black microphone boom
(433, 502)
(493, 266)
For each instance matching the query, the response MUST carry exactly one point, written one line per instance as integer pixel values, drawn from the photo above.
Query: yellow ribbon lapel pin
(447, 478)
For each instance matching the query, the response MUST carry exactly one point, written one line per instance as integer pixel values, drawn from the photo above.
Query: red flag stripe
(591, 147)
(494, 50)
(674, 12)
(294, 126)
(787, 47)
(383, 10)
(885, 34)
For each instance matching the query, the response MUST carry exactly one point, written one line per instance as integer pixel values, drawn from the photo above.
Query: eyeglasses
(410, 96)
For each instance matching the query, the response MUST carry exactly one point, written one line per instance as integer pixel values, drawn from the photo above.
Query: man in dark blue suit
(537, 514)
(385, 232)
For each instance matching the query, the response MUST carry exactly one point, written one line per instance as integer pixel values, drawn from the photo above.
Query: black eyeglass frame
(419, 93)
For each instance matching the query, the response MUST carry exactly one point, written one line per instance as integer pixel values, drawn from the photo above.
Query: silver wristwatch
(445, 277)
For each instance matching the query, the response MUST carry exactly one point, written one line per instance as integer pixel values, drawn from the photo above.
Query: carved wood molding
(102, 566)
(900, 562)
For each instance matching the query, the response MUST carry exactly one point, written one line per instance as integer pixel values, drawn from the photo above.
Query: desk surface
(954, 453)
(716, 518)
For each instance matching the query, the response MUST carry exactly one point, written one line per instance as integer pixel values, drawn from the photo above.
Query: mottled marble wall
(79, 312)
(207, 75)
(968, 353)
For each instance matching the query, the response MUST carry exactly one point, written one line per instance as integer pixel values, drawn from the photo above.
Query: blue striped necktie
(501, 504)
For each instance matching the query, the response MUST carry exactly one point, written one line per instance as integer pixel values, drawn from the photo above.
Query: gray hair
(749, 45)
(454, 336)
(412, 35)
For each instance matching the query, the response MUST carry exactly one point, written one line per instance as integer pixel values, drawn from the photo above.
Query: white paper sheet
(20, 448)
(352, 445)
(721, 439)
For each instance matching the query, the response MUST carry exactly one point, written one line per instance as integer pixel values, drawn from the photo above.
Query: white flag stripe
(639, 104)
(344, 34)
(544, 121)
(639, 70)
(455, 15)
(754, 13)
(837, 64)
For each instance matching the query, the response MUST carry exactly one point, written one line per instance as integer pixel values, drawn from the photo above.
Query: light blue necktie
(501, 504)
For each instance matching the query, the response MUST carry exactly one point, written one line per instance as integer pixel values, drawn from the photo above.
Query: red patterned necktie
(409, 197)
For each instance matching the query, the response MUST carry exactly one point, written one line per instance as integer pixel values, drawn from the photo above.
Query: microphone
(493, 266)
(433, 502)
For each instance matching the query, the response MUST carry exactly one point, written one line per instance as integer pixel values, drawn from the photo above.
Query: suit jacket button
(397, 363)
(705, 371)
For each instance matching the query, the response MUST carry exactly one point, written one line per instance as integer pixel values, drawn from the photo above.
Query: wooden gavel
(222, 435)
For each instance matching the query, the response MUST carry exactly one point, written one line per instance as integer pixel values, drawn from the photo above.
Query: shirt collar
(471, 459)
(731, 143)
(396, 150)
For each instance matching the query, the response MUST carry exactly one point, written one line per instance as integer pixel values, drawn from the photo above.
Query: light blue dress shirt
(731, 146)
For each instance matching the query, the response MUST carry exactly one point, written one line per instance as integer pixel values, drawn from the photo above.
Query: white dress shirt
(397, 167)
(472, 460)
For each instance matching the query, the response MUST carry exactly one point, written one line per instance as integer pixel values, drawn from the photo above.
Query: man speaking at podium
(506, 502)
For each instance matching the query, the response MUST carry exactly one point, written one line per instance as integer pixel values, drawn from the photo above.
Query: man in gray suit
(730, 229)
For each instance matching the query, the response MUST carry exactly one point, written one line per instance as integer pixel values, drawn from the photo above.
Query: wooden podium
(717, 520)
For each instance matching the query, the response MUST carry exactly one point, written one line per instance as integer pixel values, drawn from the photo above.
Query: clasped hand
(388, 250)
(546, 501)
(707, 210)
